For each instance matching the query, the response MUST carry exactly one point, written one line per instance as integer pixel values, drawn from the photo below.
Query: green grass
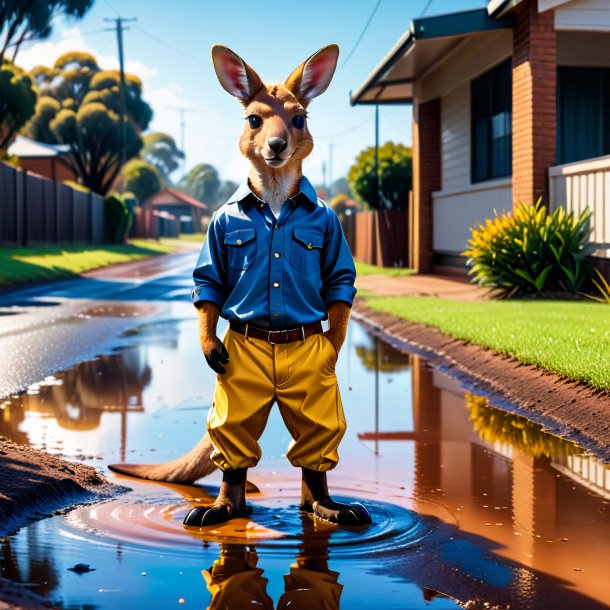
(197, 237)
(366, 269)
(571, 338)
(19, 265)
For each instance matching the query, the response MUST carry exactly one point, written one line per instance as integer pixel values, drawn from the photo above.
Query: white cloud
(46, 53)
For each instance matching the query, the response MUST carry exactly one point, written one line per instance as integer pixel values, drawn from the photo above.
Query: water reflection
(521, 517)
(235, 581)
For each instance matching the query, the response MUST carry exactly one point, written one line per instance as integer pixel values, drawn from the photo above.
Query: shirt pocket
(306, 249)
(241, 248)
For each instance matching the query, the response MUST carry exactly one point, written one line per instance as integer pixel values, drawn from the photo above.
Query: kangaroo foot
(316, 501)
(230, 503)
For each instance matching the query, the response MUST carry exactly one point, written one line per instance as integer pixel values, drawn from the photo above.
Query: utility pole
(119, 21)
(330, 168)
(182, 110)
(377, 194)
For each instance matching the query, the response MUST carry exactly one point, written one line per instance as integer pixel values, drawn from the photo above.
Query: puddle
(472, 507)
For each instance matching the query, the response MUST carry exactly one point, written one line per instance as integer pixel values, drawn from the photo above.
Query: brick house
(510, 102)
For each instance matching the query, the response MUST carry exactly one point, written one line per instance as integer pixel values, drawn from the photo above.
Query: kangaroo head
(276, 137)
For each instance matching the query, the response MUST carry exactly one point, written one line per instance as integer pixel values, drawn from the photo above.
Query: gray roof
(427, 40)
(31, 149)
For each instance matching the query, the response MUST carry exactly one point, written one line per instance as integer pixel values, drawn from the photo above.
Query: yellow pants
(300, 377)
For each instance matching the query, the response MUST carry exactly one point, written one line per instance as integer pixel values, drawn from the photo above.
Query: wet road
(472, 507)
(48, 327)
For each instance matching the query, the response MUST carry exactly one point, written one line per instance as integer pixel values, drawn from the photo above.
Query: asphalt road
(48, 327)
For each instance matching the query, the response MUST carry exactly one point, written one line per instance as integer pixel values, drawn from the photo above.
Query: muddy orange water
(472, 507)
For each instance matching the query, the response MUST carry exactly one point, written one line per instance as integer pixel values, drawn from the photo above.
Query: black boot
(316, 500)
(230, 503)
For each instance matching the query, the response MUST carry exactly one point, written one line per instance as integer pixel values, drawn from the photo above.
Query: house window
(491, 95)
(583, 121)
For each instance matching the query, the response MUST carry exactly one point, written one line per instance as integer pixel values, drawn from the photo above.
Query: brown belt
(274, 335)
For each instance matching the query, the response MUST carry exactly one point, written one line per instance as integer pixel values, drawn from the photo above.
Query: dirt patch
(35, 484)
(564, 407)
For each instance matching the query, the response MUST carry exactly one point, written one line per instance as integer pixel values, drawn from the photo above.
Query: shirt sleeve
(210, 272)
(338, 270)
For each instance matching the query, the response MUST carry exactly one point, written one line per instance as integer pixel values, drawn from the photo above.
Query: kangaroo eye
(255, 121)
(299, 121)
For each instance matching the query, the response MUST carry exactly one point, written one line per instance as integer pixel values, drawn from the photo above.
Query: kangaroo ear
(234, 74)
(313, 76)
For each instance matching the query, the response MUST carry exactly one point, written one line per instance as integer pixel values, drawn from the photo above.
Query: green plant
(394, 174)
(531, 252)
(118, 218)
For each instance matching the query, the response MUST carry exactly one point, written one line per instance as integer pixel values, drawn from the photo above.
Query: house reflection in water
(77, 398)
(540, 499)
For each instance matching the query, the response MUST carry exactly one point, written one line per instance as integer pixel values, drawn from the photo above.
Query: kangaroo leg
(186, 469)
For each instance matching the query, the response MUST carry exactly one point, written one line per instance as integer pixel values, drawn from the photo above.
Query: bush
(118, 217)
(531, 252)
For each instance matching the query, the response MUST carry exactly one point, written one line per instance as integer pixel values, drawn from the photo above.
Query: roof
(31, 149)
(427, 41)
(170, 196)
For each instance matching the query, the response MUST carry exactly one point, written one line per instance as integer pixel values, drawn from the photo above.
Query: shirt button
(277, 226)
(309, 246)
(276, 254)
(276, 285)
(262, 205)
(238, 242)
(275, 315)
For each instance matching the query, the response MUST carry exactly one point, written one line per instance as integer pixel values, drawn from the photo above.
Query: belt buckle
(277, 331)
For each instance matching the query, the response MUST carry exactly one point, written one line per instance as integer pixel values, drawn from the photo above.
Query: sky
(168, 47)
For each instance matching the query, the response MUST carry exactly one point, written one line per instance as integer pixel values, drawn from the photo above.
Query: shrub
(118, 218)
(531, 252)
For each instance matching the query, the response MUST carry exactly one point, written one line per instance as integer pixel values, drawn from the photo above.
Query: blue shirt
(275, 273)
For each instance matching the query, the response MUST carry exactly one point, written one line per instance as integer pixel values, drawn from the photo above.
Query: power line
(344, 131)
(172, 48)
(366, 27)
(426, 8)
(112, 8)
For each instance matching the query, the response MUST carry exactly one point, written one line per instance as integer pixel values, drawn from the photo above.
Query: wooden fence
(36, 211)
(382, 238)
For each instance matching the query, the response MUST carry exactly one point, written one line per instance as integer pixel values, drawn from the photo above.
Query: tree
(22, 20)
(161, 151)
(202, 183)
(395, 177)
(79, 106)
(17, 101)
(339, 187)
(141, 178)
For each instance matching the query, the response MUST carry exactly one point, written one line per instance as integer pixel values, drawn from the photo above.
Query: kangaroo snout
(277, 145)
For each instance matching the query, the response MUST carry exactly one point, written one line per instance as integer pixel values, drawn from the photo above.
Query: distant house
(46, 160)
(188, 210)
(510, 102)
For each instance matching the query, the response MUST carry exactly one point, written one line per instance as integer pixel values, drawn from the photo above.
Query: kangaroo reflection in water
(236, 582)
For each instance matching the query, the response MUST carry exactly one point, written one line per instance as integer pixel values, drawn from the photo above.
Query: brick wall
(534, 101)
(426, 179)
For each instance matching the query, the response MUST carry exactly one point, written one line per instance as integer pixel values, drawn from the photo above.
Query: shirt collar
(306, 192)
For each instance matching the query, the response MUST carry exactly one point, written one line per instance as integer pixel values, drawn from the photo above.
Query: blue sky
(169, 48)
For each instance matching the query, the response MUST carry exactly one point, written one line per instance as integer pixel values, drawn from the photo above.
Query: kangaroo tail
(186, 469)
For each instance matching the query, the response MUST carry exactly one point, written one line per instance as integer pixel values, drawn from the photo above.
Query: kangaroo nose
(277, 145)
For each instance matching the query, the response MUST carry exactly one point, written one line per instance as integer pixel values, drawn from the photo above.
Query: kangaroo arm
(338, 317)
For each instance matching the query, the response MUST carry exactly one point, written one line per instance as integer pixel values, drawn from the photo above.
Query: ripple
(153, 523)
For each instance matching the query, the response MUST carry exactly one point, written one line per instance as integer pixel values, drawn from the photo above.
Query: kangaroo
(275, 140)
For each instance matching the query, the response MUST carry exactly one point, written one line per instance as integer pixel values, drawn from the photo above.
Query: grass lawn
(571, 338)
(196, 237)
(18, 265)
(366, 269)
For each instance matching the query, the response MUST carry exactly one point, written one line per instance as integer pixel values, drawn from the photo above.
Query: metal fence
(36, 211)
